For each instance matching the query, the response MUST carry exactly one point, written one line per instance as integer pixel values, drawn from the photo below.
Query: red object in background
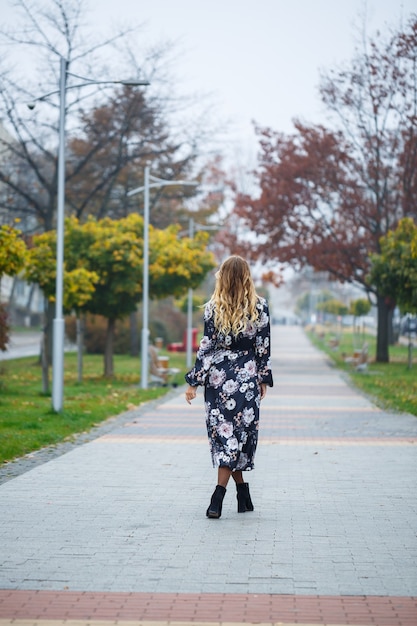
(181, 347)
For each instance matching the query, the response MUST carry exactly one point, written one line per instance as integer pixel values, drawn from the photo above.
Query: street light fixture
(151, 182)
(189, 334)
(58, 324)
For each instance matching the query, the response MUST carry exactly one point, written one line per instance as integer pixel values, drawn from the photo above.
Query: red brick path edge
(210, 607)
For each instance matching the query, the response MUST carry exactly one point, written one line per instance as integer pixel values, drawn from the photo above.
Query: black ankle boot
(244, 502)
(215, 509)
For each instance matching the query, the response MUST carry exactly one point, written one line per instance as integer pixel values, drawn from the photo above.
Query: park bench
(359, 359)
(160, 374)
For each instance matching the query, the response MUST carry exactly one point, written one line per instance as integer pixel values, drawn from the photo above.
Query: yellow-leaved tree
(115, 253)
(108, 256)
(12, 260)
(79, 281)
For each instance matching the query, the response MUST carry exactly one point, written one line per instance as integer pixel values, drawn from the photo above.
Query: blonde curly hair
(234, 298)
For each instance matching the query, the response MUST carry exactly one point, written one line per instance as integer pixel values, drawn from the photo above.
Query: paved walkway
(27, 343)
(115, 530)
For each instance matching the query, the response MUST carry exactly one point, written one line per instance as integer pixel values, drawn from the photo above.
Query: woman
(233, 365)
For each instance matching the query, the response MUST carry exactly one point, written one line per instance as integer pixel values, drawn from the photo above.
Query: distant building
(25, 302)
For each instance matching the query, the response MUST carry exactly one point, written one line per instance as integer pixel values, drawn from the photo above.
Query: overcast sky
(260, 59)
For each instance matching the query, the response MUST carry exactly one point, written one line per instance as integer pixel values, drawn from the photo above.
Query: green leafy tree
(104, 267)
(115, 253)
(360, 307)
(333, 307)
(394, 270)
(307, 301)
(12, 251)
(79, 282)
(12, 259)
(197, 303)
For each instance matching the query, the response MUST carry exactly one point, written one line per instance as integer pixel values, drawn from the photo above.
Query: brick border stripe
(208, 608)
(269, 441)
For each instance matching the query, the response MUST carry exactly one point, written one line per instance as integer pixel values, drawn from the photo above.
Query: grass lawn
(391, 385)
(27, 421)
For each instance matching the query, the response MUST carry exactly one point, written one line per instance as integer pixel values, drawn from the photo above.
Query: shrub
(165, 321)
(95, 334)
(4, 328)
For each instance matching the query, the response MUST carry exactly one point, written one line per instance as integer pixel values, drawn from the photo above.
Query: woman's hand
(263, 390)
(190, 393)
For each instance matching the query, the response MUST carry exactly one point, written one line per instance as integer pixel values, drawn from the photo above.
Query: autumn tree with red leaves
(327, 195)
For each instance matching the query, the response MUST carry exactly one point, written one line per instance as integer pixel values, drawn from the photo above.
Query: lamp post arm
(161, 183)
(91, 82)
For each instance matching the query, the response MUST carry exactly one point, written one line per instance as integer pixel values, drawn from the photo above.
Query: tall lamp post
(150, 182)
(189, 347)
(58, 324)
(189, 335)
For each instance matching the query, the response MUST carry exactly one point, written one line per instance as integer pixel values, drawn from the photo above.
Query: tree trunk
(80, 348)
(50, 316)
(410, 353)
(134, 335)
(29, 302)
(391, 334)
(44, 362)
(382, 343)
(108, 352)
(46, 345)
(11, 306)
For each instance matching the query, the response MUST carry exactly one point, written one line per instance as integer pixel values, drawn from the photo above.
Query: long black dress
(231, 370)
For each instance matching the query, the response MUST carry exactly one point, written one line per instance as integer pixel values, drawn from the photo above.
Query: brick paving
(115, 530)
(216, 608)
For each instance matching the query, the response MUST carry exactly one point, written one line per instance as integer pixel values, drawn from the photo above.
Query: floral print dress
(231, 370)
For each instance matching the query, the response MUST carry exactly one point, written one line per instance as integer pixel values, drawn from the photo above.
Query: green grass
(27, 421)
(391, 385)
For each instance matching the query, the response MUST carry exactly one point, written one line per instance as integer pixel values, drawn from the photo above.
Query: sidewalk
(115, 530)
(22, 344)
(27, 343)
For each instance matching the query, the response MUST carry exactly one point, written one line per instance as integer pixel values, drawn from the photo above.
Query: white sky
(260, 59)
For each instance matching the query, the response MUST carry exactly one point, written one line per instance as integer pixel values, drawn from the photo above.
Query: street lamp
(58, 324)
(189, 348)
(189, 335)
(151, 182)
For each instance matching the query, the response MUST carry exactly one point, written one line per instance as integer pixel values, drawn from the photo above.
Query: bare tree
(327, 195)
(111, 131)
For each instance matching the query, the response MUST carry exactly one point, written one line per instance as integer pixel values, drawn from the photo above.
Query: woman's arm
(190, 393)
(198, 374)
(263, 349)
